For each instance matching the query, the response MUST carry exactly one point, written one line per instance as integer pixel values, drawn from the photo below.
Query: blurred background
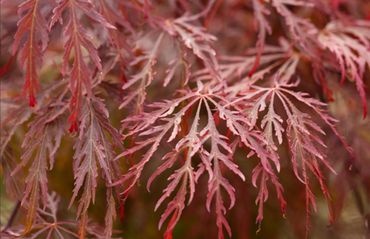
(233, 25)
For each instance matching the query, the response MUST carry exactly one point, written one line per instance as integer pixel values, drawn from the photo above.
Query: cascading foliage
(187, 98)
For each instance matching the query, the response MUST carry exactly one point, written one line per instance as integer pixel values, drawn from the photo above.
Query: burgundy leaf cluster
(184, 95)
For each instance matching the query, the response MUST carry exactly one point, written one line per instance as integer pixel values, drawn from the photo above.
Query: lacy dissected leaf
(271, 122)
(92, 146)
(112, 165)
(262, 24)
(263, 191)
(111, 214)
(238, 125)
(195, 38)
(200, 130)
(45, 129)
(145, 76)
(21, 114)
(301, 142)
(178, 62)
(235, 69)
(216, 179)
(48, 225)
(301, 29)
(31, 53)
(288, 68)
(350, 45)
(53, 201)
(301, 133)
(189, 145)
(144, 127)
(77, 38)
(135, 98)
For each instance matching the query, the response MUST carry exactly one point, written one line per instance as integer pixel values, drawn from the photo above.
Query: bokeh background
(232, 23)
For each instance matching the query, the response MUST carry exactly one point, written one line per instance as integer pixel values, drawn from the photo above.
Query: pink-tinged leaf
(31, 53)
(114, 170)
(93, 146)
(210, 131)
(168, 233)
(236, 68)
(177, 204)
(309, 197)
(178, 62)
(49, 222)
(259, 104)
(111, 214)
(301, 132)
(189, 145)
(145, 76)
(214, 187)
(148, 119)
(288, 69)
(303, 31)
(313, 104)
(270, 121)
(237, 124)
(21, 114)
(238, 65)
(77, 38)
(295, 27)
(302, 139)
(325, 191)
(185, 173)
(40, 139)
(195, 38)
(216, 179)
(263, 191)
(279, 190)
(171, 159)
(205, 165)
(350, 45)
(319, 73)
(262, 24)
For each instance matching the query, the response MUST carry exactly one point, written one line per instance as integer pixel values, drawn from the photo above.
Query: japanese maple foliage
(207, 93)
